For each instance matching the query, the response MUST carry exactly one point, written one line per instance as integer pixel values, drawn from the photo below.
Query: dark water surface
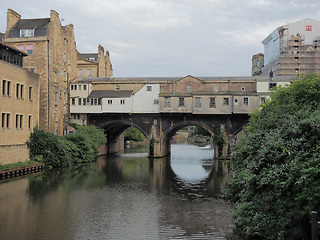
(125, 196)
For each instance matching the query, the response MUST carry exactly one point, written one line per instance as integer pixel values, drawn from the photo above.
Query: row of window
(212, 102)
(19, 121)
(75, 87)
(86, 101)
(19, 90)
(215, 88)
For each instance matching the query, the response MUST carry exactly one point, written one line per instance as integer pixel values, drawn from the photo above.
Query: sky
(171, 38)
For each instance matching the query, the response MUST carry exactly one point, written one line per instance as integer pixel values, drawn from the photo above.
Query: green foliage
(48, 147)
(277, 165)
(133, 134)
(61, 151)
(96, 136)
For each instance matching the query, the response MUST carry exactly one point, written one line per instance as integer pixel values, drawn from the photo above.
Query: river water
(125, 196)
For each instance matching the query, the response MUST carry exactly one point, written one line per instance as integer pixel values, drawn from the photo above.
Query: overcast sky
(171, 38)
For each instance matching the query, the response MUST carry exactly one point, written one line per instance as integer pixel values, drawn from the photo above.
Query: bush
(49, 147)
(277, 165)
(56, 151)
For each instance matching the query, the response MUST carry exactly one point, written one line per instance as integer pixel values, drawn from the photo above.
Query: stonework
(19, 107)
(54, 58)
(94, 64)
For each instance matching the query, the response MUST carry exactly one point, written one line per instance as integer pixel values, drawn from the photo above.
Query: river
(124, 196)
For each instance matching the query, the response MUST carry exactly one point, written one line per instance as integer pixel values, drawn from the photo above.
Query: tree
(133, 134)
(276, 166)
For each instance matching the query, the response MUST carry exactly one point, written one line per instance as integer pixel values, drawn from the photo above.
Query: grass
(19, 164)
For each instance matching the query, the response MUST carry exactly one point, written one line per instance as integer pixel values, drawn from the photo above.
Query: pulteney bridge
(160, 128)
(159, 107)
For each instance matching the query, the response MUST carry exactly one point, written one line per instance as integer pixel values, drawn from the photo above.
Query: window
(80, 72)
(198, 102)
(4, 83)
(122, 101)
(29, 49)
(156, 101)
(212, 102)
(73, 101)
(79, 101)
(55, 115)
(89, 72)
(17, 90)
(245, 101)
(189, 88)
(181, 102)
(26, 33)
(56, 98)
(162, 88)
(149, 88)
(3, 120)
(236, 101)
(109, 101)
(8, 120)
(95, 101)
(21, 91)
(30, 93)
(167, 101)
(84, 87)
(243, 88)
(272, 85)
(32, 69)
(84, 101)
(117, 88)
(29, 121)
(216, 88)
(19, 121)
(6, 88)
(79, 87)
(225, 101)
(262, 100)
(21, 47)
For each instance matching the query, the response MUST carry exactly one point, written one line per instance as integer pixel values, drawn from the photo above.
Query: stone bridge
(160, 128)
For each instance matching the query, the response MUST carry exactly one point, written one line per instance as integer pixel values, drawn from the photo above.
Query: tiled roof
(32, 24)
(110, 94)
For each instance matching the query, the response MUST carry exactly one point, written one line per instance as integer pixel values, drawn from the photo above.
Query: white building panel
(116, 105)
(146, 100)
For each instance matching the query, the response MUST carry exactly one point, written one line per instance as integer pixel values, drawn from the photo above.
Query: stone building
(51, 50)
(293, 49)
(19, 105)
(94, 64)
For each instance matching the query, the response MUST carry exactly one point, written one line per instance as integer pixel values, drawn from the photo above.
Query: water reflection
(125, 196)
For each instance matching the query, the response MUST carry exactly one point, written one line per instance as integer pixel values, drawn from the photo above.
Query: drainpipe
(48, 86)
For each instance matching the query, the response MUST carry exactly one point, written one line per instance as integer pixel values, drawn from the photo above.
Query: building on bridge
(159, 107)
(291, 49)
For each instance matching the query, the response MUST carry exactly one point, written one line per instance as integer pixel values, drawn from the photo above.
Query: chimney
(12, 18)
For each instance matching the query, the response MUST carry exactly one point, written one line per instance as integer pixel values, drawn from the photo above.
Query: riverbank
(10, 171)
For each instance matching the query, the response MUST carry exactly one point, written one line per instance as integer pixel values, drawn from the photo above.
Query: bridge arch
(114, 129)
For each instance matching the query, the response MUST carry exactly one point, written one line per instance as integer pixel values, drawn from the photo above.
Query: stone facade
(52, 54)
(94, 64)
(19, 107)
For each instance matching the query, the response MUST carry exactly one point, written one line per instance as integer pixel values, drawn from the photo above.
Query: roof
(110, 94)
(31, 24)
(11, 49)
(88, 56)
(39, 25)
(159, 80)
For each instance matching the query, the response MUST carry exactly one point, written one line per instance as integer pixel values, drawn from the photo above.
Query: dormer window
(27, 33)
